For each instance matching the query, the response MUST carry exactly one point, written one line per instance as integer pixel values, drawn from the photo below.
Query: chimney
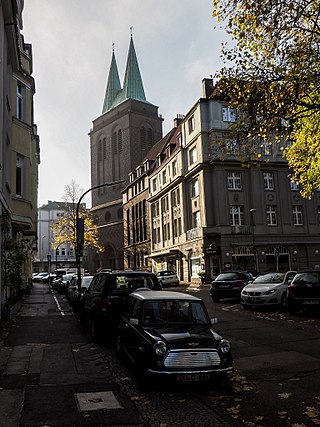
(207, 88)
(178, 120)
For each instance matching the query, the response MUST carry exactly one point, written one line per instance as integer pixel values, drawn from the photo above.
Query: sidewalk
(52, 375)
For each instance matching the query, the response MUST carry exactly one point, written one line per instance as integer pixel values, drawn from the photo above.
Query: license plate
(203, 376)
(310, 302)
(223, 286)
(254, 299)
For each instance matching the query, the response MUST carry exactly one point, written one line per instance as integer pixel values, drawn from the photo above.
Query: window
(231, 146)
(271, 215)
(174, 168)
(196, 220)
(99, 150)
(20, 101)
(104, 149)
(294, 186)
(175, 197)
(164, 177)
(143, 138)
(19, 176)
(191, 124)
(63, 251)
(229, 114)
(155, 184)
(236, 215)
(234, 181)
(297, 215)
(150, 138)
(195, 188)
(120, 140)
(268, 180)
(193, 156)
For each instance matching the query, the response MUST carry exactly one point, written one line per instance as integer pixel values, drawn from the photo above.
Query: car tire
(284, 302)
(215, 298)
(292, 309)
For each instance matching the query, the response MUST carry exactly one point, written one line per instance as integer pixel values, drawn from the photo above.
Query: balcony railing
(241, 229)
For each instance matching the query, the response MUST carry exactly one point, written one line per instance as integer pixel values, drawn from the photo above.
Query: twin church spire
(132, 85)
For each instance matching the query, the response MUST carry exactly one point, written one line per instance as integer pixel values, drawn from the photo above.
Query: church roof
(132, 85)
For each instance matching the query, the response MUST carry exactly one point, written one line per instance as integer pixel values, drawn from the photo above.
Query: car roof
(125, 272)
(149, 294)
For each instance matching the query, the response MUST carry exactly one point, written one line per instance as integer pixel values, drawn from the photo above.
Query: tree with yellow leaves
(272, 75)
(64, 228)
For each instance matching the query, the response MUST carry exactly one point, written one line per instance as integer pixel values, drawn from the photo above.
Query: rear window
(228, 276)
(132, 282)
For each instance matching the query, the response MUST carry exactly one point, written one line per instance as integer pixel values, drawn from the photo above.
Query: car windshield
(269, 278)
(86, 280)
(174, 312)
(67, 276)
(228, 276)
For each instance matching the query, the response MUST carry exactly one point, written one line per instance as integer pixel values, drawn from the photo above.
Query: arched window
(150, 138)
(114, 143)
(104, 148)
(99, 150)
(120, 140)
(143, 138)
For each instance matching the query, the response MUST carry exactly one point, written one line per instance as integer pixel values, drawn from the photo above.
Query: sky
(176, 44)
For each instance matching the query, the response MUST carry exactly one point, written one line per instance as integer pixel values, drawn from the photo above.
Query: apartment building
(19, 154)
(209, 214)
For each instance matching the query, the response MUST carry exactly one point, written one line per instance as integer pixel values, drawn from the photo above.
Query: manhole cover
(97, 400)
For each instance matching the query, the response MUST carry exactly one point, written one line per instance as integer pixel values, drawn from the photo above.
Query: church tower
(119, 140)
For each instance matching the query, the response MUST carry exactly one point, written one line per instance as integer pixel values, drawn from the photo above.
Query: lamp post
(252, 212)
(79, 228)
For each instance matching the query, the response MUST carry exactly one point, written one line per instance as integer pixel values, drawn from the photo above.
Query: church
(120, 138)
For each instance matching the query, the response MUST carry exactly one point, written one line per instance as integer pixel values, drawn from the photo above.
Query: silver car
(168, 278)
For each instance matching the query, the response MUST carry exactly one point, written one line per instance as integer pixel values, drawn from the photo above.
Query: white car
(267, 289)
(168, 278)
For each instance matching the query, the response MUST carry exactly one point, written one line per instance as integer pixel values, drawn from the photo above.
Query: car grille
(254, 294)
(191, 359)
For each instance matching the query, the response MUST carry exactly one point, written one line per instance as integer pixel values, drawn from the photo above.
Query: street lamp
(79, 226)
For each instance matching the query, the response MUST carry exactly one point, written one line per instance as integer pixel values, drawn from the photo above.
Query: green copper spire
(113, 85)
(133, 86)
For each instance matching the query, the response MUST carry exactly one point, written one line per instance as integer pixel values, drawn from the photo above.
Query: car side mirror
(134, 322)
(214, 321)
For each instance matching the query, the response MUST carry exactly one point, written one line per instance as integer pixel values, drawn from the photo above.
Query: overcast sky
(176, 45)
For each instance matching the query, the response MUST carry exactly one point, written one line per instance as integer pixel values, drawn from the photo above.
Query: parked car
(72, 292)
(64, 283)
(267, 289)
(304, 292)
(107, 298)
(39, 276)
(170, 334)
(168, 278)
(45, 279)
(229, 284)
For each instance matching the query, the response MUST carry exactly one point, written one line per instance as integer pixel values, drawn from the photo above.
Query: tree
(271, 73)
(64, 228)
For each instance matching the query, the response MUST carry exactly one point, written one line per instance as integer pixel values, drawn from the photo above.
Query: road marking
(57, 304)
(230, 306)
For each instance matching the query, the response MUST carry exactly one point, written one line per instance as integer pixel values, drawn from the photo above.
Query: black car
(170, 334)
(107, 297)
(304, 292)
(229, 284)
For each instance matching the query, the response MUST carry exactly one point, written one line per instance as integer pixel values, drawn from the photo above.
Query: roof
(132, 85)
(149, 294)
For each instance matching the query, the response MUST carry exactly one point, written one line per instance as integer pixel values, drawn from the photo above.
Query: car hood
(182, 337)
(263, 287)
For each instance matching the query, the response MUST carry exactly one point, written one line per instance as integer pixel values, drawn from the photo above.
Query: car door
(131, 333)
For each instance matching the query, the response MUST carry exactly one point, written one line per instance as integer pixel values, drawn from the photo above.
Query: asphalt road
(277, 361)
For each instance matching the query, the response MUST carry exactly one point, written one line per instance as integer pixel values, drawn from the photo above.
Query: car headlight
(244, 292)
(224, 346)
(160, 348)
(270, 292)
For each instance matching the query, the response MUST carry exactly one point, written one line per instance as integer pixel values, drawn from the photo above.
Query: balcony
(193, 233)
(241, 229)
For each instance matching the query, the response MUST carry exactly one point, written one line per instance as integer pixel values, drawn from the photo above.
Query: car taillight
(239, 283)
(104, 303)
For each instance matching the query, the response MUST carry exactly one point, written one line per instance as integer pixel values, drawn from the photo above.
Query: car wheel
(215, 298)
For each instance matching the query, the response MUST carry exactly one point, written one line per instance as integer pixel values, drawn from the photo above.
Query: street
(52, 371)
